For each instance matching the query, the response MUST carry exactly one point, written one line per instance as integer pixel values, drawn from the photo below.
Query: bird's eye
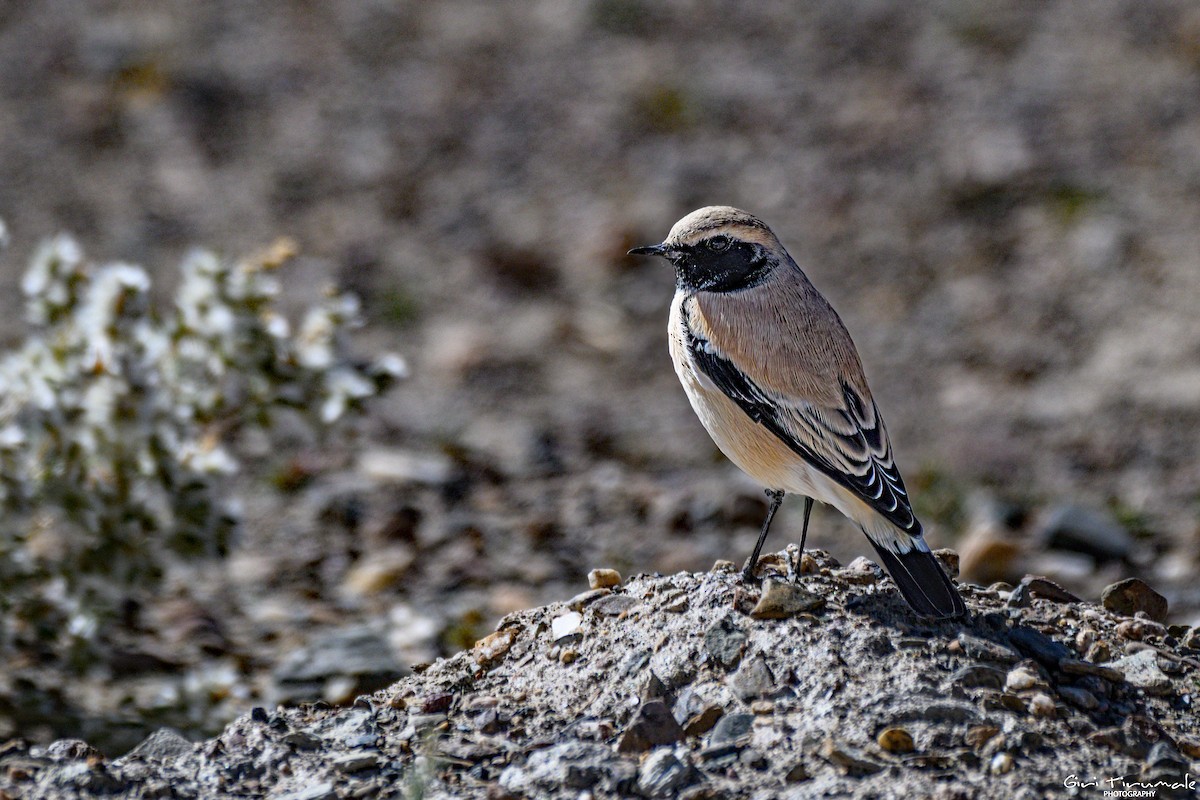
(718, 244)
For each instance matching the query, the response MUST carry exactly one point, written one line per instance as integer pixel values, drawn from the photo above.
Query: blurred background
(1001, 199)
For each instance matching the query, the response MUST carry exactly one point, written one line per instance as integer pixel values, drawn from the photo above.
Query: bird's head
(718, 249)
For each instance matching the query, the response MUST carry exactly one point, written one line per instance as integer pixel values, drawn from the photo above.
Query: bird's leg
(795, 567)
(776, 498)
(808, 504)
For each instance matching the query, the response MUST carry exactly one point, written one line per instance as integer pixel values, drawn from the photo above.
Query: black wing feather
(857, 430)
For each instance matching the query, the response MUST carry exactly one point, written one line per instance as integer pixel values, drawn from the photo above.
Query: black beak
(649, 250)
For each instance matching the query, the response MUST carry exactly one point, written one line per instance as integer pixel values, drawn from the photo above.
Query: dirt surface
(699, 685)
(1002, 201)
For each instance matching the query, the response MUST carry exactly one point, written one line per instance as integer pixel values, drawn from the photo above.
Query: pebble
(724, 642)
(703, 721)
(1099, 653)
(583, 599)
(1042, 705)
(489, 650)
(604, 578)
(1039, 646)
(731, 729)
(848, 760)
(164, 743)
(978, 735)
(566, 625)
(1079, 697)
(1141, 670)
(1132, 595)
(1073, 666)
(653, 725)
(782, 600)
(1189, 747)
(1001, 764)
(1044, 587)
(949, 559)
(862, 571)
(1021, 679)
(975, 676)
(896, 740)
(1085, 639)
(985, 650)
(661, 774)
(614, 605)
(676, 603)
(753, 679)
(568, 656)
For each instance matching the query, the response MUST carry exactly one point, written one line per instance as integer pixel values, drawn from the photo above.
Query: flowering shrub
(116, 422)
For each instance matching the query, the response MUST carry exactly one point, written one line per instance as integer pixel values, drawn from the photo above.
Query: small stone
(1130, 596)
(1141, 670)
(662, 774)
(896, 740)
(1131, 629)
(702, 722)
(1189, 747)
(614, 605)
(753, 679)
(1085, 639)
(1073, 666)
(1001, 764)
(724, 642)
(723, 565)
(1079, 697)
(808, 565)
(1021, 679)
(731, 729)
(1099, 653)
(762, 708)
(1039, 646)
(949, 559)
(1041, 705)
(566, 625)
(351, 763)
(862, 571)
(797, 773)
(653, 725)
(491, 649)
(1044, 587)
(782, 600)
(847, 759)
(568, 656)
(604, 578)
(977, 676)
(581, 600)
(164, 743)
(978, 735)
(676, 603)
(302, 740)
(985, 650)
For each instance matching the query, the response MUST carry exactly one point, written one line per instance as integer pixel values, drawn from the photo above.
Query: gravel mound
(816, 681)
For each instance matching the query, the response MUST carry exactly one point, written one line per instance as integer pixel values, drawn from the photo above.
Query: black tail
(922, 582)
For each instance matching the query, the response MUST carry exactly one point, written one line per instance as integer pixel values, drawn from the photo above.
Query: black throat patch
(740, 266)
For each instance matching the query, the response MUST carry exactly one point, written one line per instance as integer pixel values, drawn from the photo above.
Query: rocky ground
(699, 685)
(1001, 199)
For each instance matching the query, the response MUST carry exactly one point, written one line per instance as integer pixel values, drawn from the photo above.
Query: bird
(772, 373)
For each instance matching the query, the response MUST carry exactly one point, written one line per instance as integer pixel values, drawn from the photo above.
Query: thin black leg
(808, 504)
(776, 497)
